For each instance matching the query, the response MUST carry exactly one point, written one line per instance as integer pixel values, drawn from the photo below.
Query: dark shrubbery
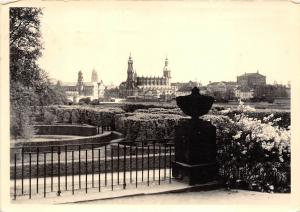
(83, 101)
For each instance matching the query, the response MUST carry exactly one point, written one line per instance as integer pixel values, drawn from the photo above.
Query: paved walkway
(214, 197)
(135, 183)
(106, 193)
(154, 193)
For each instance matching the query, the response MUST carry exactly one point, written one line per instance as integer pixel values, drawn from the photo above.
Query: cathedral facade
(147, 87)
(80, 89)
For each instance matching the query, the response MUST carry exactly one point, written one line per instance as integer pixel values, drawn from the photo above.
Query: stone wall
(80, 130)
(72, 143)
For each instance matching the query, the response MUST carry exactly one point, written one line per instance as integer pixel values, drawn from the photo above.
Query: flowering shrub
(254, 154)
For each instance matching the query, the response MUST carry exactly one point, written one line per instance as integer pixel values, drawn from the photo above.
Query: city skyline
(203, 42)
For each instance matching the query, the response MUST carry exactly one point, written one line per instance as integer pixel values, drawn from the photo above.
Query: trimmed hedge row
(96, 116)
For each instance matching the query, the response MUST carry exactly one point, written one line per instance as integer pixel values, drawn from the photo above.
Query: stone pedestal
(195, 152)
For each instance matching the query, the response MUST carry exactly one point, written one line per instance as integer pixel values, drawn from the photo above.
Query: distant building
(223, 89)
(147, 87)
(245, 93)
(186, 86)
(216, 87)
(251, 80)
(81, 89)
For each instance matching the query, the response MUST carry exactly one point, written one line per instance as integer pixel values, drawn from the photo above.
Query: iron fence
(69, 168)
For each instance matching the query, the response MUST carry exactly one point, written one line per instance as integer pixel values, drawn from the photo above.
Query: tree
(26, 47)
(29, 86)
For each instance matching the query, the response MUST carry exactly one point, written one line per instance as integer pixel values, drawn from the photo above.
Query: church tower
(167, 72)
(130, 74)
(80, 83)
(94, 76)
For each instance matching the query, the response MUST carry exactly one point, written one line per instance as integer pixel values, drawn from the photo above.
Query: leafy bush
(254, 154)
(86, 100)
(131, 107)
(49, 118)
(95, 102)
(27, 131)
(20, 111)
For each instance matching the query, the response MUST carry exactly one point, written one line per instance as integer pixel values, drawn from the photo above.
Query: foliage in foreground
(29, 84)
(254, 154)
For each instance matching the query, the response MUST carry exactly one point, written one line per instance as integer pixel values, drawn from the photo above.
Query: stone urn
(195, 104)
(195, 141)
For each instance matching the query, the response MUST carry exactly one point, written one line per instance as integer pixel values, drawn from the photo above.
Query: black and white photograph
(150, 103)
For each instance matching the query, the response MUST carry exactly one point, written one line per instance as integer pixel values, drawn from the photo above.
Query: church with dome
(147, 86)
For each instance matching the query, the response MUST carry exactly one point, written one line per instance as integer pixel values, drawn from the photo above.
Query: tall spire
(80, 77)
(130, 73)
(94, 77)
(80, 82)
(167, 71)
(130, 60)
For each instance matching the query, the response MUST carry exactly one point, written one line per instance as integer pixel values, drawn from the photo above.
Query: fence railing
(69, 168)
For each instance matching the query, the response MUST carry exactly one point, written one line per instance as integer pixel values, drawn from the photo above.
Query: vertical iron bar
(30, 175)
(112, 168)
(58, 170)
(92, 166)
(170, 164)
(37, 170)
(124, 168)
(159, 149)
(142, 161)
(118, 165)
(165, 163)
(45, 174)
(148, 167)
(15, 178)
(130, 162)
(22, 171)
(79, 166)
(136, 165)
(72, 172)
(51, 168)
(86, 171)
(99, 170)
(153, 160)
(105, 165)
(66, 168)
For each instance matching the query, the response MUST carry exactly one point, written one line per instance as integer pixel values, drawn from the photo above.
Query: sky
(203, 41)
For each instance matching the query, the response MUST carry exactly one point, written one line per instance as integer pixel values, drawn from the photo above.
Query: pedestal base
(194, 174)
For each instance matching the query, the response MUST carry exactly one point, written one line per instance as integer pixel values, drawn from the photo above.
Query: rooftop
(252, 74)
